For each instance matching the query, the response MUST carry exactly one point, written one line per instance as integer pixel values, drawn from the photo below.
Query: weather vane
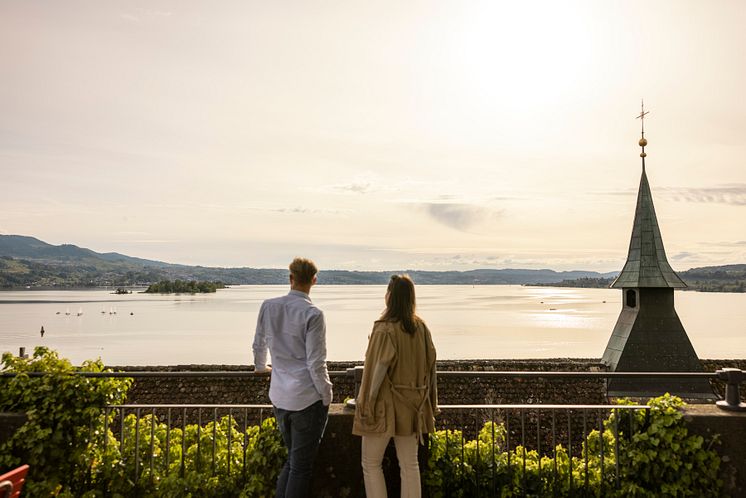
(643, 142)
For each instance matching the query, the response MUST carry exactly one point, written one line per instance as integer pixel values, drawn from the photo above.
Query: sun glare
(532, 55)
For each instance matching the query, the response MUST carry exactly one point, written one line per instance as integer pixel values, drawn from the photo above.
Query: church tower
(648, 335)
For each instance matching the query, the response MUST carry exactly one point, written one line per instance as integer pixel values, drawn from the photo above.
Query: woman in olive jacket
(398, 396)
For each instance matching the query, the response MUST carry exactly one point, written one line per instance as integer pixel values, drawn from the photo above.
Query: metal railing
(519, 436)
(514, 440)
(487, 443)
(211, 422)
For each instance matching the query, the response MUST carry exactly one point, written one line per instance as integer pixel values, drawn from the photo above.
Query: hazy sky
(374, 135)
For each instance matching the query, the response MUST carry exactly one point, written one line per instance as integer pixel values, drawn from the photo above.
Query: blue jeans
(302, 431)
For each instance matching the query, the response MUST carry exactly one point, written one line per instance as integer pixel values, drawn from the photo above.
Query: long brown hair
(400, 306)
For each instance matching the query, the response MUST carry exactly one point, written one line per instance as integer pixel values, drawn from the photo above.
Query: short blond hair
(303, 270)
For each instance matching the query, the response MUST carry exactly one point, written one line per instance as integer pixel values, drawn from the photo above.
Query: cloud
(145, 241)
(355, 187)
(367, 184)
(238, 207)
(684, 255)
(733, 194)
(295, 210)
(466, 260)
(456, 215)
(456, 261)
(141, 14)
(129, 17)
(362, 186)
(735, 243)
(622, 192)
(365, 187)
(302, 210)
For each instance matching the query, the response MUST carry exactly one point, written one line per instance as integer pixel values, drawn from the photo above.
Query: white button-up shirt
(293, 329)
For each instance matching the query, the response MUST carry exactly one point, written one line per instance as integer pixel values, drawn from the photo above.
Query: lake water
(467, 322)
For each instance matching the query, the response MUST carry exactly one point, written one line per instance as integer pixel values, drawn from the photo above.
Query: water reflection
(466, 322)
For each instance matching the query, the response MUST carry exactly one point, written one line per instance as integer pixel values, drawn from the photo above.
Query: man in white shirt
(293, 330)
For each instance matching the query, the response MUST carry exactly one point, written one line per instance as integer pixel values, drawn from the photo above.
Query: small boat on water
(80, 311)
(112, 311)
(67, 311)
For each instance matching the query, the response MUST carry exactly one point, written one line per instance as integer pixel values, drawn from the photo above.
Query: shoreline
(139, 289)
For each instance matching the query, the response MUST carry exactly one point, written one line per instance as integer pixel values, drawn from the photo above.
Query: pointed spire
(646, 264)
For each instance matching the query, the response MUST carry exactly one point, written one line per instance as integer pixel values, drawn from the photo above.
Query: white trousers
(406, 452)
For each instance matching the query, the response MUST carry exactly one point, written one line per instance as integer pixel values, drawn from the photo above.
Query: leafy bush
(65, 413)
(663, 459)
(660, 458)
(69, 443)
(182, 460)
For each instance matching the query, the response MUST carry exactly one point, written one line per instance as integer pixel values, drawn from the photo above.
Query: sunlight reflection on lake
(466, 321)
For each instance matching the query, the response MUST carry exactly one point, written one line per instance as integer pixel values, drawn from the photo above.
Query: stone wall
(718, 386)
(451, 391)
(708, 421)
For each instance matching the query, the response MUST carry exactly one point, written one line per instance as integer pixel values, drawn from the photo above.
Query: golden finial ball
(643, 142)
(642, 154)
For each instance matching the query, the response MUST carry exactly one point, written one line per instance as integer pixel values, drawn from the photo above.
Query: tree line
(184, 287)
(710, 282)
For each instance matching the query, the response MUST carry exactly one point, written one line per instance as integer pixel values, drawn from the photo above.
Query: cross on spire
(643, 142)
(641, 117)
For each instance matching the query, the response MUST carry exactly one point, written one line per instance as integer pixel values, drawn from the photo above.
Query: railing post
(357, 372)
(732, 377)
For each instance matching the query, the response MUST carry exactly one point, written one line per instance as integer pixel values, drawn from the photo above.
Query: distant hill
(27, 261)
(30, 248)
(722, 270)
(30, 262)
(583, 282)
(470, 277)
(725, 278)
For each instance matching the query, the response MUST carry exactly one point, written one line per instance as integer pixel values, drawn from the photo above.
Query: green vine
(72, 451)
(189, 469)
(64, 412)
(663, 459)
(660, 458)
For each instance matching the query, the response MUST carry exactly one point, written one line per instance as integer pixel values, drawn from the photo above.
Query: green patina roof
(646, 264)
